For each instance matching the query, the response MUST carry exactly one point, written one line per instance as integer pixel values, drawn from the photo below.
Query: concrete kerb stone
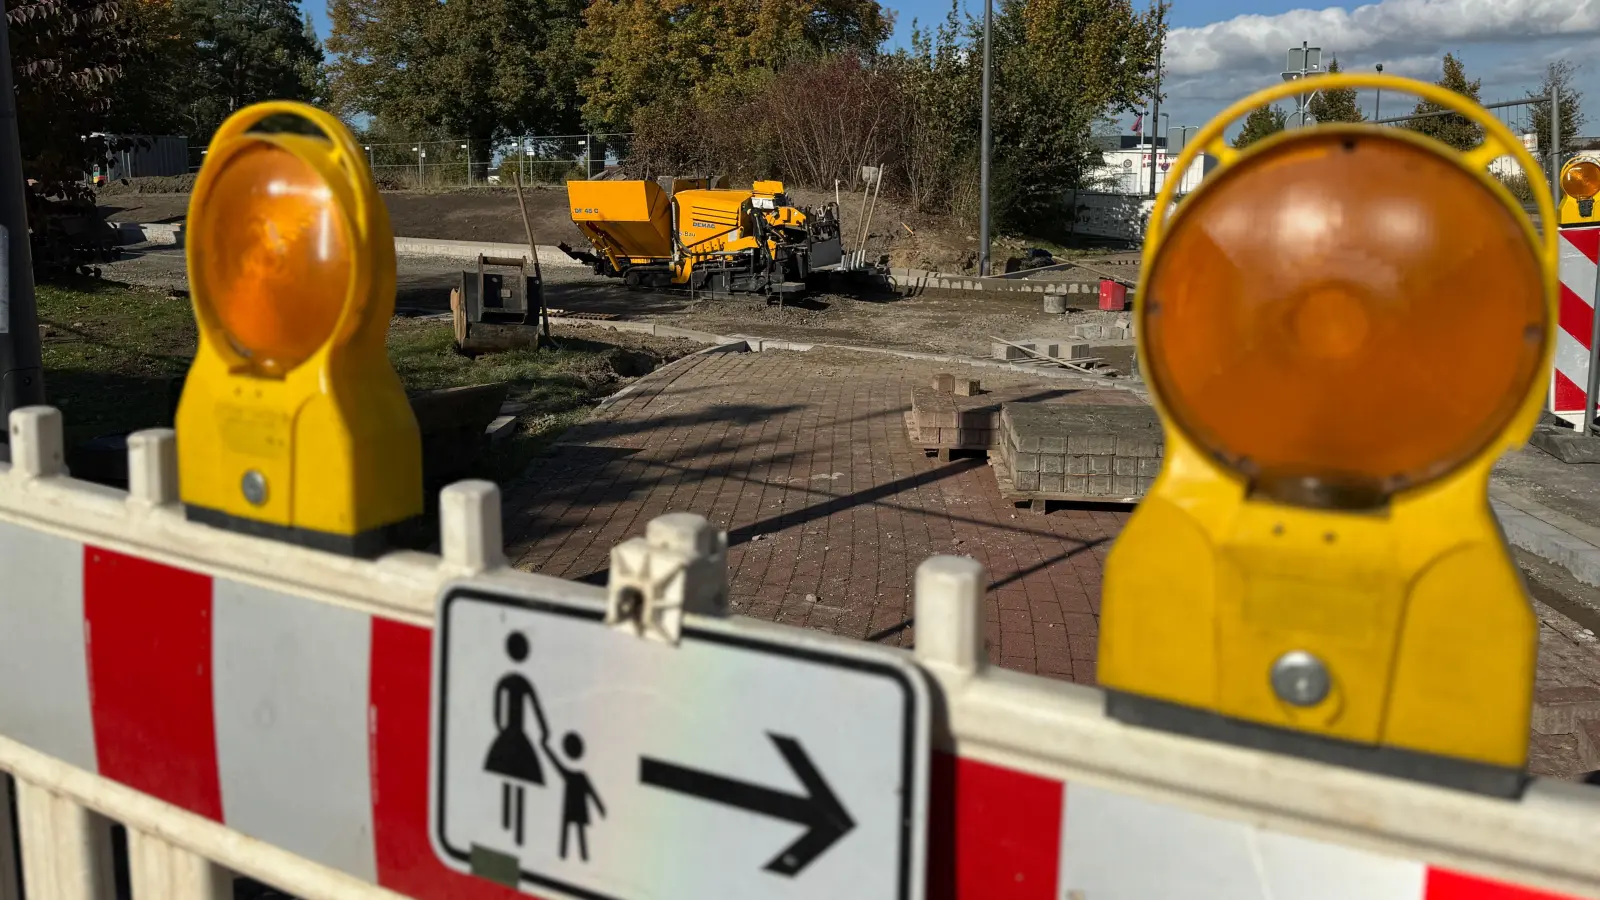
(1137, 389)
(548, 256)
(1561, 539)
(920, 280)
(173, 234)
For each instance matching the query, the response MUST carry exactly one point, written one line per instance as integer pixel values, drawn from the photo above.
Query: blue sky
(1221, 50)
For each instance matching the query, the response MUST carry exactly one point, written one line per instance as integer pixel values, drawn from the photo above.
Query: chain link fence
(458, 163)
(1518, 117)
(549, 159)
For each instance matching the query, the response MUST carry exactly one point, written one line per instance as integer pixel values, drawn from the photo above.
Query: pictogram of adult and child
(516, 759)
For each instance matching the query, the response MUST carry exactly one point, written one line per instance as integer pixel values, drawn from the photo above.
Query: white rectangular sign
(570, 759)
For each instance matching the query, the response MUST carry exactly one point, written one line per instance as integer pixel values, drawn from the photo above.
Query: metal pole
(1377, 105)
(1555, 158)
(1305, 67)
(1155, 123)
(983, 153)
(1594, 372)
(21, 370)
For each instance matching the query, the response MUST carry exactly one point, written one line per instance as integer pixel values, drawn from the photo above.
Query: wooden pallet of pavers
(1076, 453)
(951, 415)
(942, 442)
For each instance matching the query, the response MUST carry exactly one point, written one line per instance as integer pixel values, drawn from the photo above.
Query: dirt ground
(962, 325)
(910, 239)
(937, 322)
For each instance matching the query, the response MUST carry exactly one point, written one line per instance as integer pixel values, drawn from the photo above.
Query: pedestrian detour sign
(573, 760)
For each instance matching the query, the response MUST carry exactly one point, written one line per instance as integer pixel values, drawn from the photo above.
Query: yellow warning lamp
(1342, 328)
(1580, 182)
(293, 423)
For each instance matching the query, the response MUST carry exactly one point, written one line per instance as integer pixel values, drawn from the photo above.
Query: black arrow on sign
(818, 809)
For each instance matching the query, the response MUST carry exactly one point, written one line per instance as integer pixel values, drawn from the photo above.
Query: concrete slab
(1571, 543)
(501, 429)
(1567, 445)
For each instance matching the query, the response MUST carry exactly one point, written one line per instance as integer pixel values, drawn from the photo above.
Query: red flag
(1138, 123)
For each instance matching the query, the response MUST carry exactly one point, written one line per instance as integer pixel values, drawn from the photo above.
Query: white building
(1127, 165)
(1506, 166)
(1128, 171)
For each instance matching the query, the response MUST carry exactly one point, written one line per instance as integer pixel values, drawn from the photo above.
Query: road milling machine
(700, 235)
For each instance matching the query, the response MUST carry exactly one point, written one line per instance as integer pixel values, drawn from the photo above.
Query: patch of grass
(115, 355)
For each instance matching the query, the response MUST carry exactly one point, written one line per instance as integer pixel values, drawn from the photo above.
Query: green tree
(1336, 105)
(937, 81)
(478, 69)
(158, 66)
(1558, 74)
(245, 52)
(645, 52)
(1454, 130)
(67, 59)
(1262, 121)
(1063, 65)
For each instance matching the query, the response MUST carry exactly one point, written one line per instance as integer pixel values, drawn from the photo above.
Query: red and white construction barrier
(1580, 260)
(268, 692)
(305, 725)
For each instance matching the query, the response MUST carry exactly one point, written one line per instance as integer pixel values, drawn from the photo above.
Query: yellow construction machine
(698, 234)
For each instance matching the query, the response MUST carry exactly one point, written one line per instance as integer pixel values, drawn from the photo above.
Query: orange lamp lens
(1343, 317)
(272, 257)
(1581, 180)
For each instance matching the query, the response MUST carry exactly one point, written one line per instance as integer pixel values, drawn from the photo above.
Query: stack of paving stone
(954, 414)
(1078, 452)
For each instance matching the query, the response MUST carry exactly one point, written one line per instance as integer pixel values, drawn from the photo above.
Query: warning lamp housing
(293, 423)
(1580, 182)
(1316, 569)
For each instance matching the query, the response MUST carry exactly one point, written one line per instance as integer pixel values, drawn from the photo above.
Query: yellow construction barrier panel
(1342, 329)
(292, 421)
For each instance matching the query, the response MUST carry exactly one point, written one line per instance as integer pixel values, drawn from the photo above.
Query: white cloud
(1398, 28)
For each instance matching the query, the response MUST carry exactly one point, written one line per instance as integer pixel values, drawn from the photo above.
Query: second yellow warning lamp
(1342, 328)
(293, 424)
(1580, 182)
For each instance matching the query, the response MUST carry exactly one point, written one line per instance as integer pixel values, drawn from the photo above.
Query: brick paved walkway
(804, 458)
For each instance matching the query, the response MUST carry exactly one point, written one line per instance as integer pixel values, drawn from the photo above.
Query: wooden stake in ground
(538, 274)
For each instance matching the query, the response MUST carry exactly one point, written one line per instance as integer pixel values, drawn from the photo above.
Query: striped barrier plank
(1580, 260)
(1010, 835)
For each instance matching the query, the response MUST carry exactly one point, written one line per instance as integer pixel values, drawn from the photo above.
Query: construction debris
(1068, 356)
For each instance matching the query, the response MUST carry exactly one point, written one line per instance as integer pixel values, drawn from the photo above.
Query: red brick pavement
(804, 458)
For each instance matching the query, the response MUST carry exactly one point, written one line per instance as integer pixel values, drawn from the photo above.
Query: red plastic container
(1113, 296)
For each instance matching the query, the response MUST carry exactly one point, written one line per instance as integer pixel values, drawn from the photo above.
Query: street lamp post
(1303, 61)
(1377, 104)
(1155, 122)
(983, 153)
